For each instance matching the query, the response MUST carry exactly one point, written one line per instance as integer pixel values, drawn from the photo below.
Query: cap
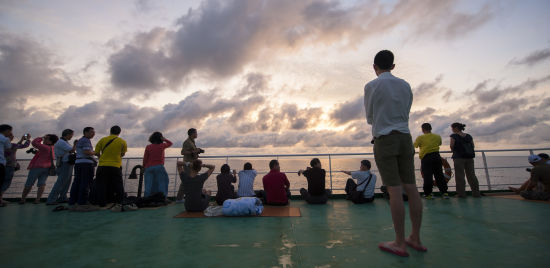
(534, 158)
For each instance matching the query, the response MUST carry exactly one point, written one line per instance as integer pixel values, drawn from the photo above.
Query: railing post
(531, 151)
(176, 179)
(227, 160)
(125, 173)
(330, 170)
(486, 170)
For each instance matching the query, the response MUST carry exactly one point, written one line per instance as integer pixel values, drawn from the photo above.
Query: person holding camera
(190, 153)
(64, 165)
(83, 168)
(40, 165)
(5, 144)
(11, 160)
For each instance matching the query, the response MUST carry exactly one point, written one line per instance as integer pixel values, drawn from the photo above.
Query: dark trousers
(431, 167)
(2, 175)
(263, 195)
(108, 186)
(83, 176)
(315, 199)
(351, 189)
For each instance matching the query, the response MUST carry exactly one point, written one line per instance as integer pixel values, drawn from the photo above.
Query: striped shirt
(246, 182)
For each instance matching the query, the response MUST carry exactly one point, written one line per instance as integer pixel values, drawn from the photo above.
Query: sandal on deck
(386, 246)
(420, 248)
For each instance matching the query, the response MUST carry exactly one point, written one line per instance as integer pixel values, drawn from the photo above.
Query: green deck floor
(487, 232)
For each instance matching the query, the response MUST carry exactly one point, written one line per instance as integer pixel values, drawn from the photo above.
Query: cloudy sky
(273, 74)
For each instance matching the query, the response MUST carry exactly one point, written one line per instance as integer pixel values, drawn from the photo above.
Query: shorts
(40, 174)
(394, 156)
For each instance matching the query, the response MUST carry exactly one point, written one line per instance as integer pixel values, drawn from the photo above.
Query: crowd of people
(388, 101)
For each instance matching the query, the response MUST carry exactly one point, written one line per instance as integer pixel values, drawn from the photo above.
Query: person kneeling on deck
(315, 175)
(362, 191)
(276, 186)
(196, 198)
(539, 182)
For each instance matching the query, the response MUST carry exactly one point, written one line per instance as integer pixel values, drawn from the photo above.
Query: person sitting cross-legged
(315, 175)
(362, 191)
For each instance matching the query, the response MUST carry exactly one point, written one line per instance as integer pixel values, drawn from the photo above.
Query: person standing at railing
(388, 101)
(462, 145)
(62, 150)
(108, 185)
(11, 161)
(315, 175)
(83, 168)
(5, 144)
(39, 166)
(190, 153)
(430, 162)
(156, 177)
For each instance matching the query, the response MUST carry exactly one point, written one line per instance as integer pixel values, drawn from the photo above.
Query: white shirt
(388, 101)
(62, 149)
(246, 182)
(5, 143)
(361, 177)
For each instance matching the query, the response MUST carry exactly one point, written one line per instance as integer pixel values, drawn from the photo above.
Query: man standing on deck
(190, 153)
(388, 101)
(430, 162)
(110, 150)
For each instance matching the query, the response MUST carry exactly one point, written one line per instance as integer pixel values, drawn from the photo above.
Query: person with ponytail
(462, 145)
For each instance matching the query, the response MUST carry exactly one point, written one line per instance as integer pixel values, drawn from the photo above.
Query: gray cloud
(532, 59)
(28, 70)
(425, 90)
(484, 95)
(349, 111)
(219, 38)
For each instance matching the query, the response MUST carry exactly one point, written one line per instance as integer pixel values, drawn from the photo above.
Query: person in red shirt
(156, 178)
(276, 186)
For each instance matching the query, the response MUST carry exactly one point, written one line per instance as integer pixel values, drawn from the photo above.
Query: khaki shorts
(394, 156)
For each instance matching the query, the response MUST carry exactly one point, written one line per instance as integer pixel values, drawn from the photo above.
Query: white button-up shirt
(388, 101)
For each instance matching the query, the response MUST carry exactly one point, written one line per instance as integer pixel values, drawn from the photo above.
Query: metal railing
(19, 178)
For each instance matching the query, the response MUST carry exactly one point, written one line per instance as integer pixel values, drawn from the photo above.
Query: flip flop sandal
(59, 208)
(385, 246)
(418, 248)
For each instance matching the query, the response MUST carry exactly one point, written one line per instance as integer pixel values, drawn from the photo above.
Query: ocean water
(503, 170)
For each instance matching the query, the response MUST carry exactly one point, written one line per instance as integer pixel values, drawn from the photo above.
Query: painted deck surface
(485, 232)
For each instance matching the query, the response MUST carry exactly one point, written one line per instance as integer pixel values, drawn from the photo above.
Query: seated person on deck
(225, 186)
(538, 187)
(196, 198)
(315, 175)
(363, 190)
(276, 186)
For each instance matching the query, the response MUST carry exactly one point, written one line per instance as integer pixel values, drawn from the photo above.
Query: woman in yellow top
(430, 164)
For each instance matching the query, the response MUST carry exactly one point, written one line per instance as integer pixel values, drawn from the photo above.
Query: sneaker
(445, 196)
(428, 197)
(116, 208)
(130, 207)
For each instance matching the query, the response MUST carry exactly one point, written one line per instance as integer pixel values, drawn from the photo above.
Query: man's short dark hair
(67, 132)
(384, 59)
(87, 129)
(427, 126)
(273, 163)
(543, 156)
(314, 162)
(247, 166)
(5, 127)
(115, 130)
(366, 163)
(191, 131)
(53, 138)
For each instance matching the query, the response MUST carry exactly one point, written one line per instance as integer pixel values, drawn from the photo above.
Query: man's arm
(124, 148)
(346, 172)
(287, 183)
(368, 105)
(452, 143)
(417, 142)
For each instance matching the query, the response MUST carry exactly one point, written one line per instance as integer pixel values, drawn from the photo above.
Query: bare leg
(26, 192)
(523, 187)
(398, 216)
(415, 210)
(39, 194)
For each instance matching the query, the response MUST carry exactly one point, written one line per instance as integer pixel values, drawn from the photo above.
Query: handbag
(52, 171)
(71, 159)
(357, 196)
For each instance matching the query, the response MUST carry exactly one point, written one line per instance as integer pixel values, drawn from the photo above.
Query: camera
(528, 169)
(201, 151)
(31, 151)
